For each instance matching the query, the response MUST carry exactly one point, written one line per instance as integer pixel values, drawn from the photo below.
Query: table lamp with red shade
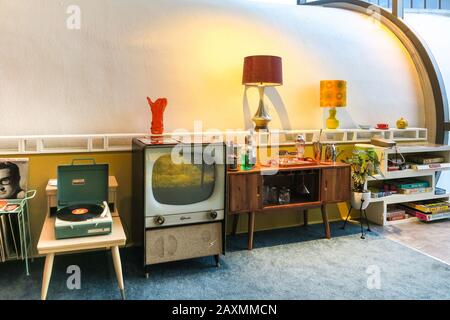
(261, 72)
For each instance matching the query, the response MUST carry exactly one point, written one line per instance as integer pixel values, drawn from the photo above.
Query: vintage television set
(178, 199)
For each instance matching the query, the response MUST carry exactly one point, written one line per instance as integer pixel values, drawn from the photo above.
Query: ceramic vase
(157, 109)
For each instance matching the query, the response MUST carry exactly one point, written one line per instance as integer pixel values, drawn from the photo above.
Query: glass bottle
(249, 155)
(273, 195)
(300, 144)
(284, 196)
(232, 157)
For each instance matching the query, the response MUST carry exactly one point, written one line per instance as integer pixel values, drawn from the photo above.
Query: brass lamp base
(261, 117)
(261, 123)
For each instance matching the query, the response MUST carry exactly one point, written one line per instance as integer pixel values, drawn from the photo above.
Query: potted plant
(364, 163)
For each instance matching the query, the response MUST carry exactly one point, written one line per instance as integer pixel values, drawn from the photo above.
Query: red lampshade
(263, 71)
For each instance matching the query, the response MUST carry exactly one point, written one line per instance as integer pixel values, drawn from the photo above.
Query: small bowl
(382, 126)
(365, 126)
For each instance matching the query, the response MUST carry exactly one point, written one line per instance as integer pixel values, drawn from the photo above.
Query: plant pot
(357, 198)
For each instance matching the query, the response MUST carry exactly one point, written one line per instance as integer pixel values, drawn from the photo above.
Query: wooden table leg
(305, 217)
(48, 267)
(118, 269)
(251, 229)
(235, 223)
(325, 221)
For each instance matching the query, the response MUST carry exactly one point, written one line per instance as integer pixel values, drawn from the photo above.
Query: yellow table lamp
(333, 94)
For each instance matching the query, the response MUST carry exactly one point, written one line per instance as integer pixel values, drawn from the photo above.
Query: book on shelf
(396, 217)
(398, 167)
(426, 159)
(408, 183)
(415, 190)
(431, 166)
(395, 213)
(379, 193)
(428, 216)
(401, 186)
(429, 206)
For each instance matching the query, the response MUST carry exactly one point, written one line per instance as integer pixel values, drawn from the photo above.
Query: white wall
(55, 80)
(433, 29)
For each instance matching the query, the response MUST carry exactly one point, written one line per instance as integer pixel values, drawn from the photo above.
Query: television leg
(217, 260)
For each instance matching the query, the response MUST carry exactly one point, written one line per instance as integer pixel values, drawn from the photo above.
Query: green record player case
(85, 184)
(82, 183)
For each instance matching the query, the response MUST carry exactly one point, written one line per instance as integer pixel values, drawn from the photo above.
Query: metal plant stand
(23, 219)
(363, 215)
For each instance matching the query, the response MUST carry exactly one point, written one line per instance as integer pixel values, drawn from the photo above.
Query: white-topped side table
(50, 246)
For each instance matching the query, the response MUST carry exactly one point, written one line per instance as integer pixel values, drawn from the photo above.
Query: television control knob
(160, 220)
(213, 214)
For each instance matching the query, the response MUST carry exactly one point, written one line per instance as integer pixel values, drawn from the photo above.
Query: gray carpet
(293, 263)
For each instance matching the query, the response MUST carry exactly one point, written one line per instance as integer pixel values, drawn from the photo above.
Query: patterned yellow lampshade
(333, 93)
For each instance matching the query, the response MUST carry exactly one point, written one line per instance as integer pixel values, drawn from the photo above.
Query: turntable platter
(80, 212)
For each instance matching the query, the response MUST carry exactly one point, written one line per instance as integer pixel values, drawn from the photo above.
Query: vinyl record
(80, 212)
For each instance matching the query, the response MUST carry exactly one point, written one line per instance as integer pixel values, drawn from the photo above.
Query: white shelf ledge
(47, 144)
(401, 198)
(407, 173)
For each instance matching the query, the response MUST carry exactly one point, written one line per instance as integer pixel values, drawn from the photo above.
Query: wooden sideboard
(310, 186)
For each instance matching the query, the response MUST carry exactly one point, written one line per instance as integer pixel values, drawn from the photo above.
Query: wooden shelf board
(400, 198)
(292, 205)
(418, 148)
(408, 173)
(268, 170)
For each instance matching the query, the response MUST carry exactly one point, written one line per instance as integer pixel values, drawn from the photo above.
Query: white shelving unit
(66, 143)
(377, 209)
(345, 136)
(45, 144)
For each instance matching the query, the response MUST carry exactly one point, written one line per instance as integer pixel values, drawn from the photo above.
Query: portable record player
(82, 201)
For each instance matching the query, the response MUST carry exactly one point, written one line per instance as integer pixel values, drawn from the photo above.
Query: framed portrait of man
(13, 178)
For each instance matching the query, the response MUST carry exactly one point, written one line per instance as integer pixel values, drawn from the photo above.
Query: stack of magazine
(428, 210)
(410, 186)
(9, 231)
